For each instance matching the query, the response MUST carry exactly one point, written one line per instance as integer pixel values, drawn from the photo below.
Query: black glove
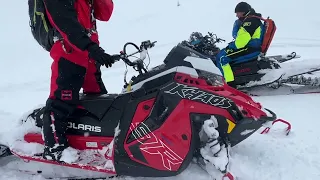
(97, 53)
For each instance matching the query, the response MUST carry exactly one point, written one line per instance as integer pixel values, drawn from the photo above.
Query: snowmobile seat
(246, 58)
(97, 104)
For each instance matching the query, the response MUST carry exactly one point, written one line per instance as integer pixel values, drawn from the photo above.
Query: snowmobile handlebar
(143, 50)
(215, 37)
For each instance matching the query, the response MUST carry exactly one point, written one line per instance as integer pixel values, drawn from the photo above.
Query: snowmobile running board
(39, 158)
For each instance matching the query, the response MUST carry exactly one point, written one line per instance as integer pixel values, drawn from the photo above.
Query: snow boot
(55, 123)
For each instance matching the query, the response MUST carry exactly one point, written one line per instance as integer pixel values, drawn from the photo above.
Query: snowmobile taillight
(266, 130)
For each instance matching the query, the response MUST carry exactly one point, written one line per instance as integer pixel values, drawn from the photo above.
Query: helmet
(242, 7)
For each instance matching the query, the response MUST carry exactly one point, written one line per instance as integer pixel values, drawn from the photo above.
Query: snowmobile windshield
(182, 55)
(183, 59)
(195, 42)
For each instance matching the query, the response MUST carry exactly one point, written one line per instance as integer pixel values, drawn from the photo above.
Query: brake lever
(147, 44)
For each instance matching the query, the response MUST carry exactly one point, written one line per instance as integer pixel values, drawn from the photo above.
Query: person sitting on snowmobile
(248, 35)
(77, 58)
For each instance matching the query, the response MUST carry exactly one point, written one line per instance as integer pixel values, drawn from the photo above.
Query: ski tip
(228, 176)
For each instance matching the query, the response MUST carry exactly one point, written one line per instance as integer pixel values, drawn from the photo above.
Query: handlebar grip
(116, 57)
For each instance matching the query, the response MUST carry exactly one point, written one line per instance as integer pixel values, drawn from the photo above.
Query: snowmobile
(263, 75)
(163, 119)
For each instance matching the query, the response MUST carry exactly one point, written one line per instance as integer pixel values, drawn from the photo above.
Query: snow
(25, 78)
(70, 155)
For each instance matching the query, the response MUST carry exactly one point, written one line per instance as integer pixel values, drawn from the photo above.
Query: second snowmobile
(264, 75)
(164, 118)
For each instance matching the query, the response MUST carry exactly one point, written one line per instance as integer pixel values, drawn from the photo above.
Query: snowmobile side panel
(76, 141)
(160, 138)
(147, 142)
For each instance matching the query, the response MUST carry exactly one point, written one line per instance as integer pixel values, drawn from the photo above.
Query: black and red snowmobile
(262, 75)
(164, 118)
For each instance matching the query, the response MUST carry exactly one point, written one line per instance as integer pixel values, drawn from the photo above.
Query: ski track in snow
(264, 157)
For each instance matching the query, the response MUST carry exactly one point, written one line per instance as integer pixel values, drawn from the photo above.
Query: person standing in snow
(77, 58)
(248, 36)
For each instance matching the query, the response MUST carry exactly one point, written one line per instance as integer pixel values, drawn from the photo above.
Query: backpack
(269, 31)
(41, 29)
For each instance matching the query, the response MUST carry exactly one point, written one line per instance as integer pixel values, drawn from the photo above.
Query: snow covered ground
(25, 73)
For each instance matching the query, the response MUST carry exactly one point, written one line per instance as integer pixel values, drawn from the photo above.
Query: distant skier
(248, 35)
(77, 58)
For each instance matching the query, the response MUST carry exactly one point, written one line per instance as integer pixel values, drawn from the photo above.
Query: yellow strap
(228, 73)
(129, 87)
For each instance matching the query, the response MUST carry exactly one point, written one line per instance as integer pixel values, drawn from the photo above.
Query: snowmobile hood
(247, 106)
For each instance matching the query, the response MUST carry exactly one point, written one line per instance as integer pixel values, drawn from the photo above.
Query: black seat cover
(97, 104)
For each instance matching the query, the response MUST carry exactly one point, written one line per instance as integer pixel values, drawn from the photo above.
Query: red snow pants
(70, 71)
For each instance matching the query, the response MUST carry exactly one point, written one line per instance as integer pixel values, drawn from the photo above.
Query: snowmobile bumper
(247, 126)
